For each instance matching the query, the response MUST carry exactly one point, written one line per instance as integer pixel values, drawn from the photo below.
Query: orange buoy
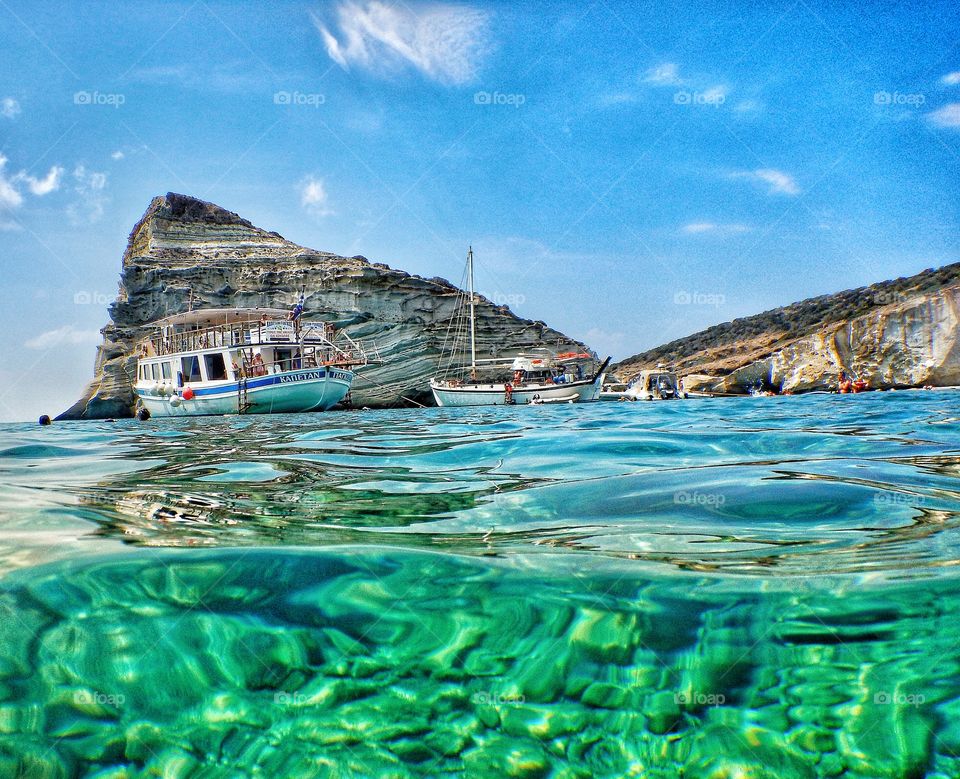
(187, 394)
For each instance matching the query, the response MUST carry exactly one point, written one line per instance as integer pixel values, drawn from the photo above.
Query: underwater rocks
(184, 250)
(370, 663)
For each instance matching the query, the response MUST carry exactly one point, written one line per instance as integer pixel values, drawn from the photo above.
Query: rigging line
(388, 389)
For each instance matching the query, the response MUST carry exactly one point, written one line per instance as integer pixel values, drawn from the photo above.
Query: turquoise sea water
(711, 588)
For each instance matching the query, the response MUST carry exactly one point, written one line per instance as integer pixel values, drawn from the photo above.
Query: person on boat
(294, 315)
(258, 368)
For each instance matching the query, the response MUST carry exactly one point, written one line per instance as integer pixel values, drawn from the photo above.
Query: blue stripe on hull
(294, 391)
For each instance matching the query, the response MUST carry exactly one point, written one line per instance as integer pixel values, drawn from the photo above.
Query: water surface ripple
(716, 588)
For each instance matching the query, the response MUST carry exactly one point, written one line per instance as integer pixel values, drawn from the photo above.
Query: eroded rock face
(911, 343)
(184, 248)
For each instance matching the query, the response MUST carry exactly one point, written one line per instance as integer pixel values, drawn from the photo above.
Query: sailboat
(533, 377)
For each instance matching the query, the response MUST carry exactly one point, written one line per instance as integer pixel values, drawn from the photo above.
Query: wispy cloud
(117, 155)
(10, 196)
(446, 43)
(11, 189)
(313, 196)
(952, 79)
(748, 106)
(776, 181)
(46, 185)
(665, 75)
(948, 116)
(226, 77)
(63, 336)
(714, 228)
(9, 108)
(91, 201)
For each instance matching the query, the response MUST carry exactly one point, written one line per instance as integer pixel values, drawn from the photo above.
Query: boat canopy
(532, 362)
(211, 317)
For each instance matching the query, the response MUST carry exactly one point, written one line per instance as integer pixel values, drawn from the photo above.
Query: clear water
(716, 588)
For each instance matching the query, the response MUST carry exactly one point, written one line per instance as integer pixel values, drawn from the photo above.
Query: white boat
(243, 361)
(614, 391)
(658, 384)
(536, 377)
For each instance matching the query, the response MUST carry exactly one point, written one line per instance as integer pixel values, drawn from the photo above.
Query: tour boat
(535, 377)
(659, 384)
(243, 361)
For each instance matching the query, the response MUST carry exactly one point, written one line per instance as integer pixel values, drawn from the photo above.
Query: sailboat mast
(473, 318)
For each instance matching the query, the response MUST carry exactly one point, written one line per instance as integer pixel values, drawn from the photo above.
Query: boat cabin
(226, 345)
(659, 384)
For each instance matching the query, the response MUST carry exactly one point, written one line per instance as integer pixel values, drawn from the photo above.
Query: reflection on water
(756, 587)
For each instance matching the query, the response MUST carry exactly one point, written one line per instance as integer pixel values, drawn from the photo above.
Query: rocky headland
(895, 334)
(185, 251)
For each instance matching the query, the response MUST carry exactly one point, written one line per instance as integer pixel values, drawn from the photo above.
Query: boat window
(154, 371)
(165, 369)
(191, 368)
(142, 374)
(216, 369)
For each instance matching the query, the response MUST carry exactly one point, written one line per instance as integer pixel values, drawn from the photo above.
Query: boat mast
(473, 319)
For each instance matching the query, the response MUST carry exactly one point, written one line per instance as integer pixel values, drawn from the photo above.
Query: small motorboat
(658, 384)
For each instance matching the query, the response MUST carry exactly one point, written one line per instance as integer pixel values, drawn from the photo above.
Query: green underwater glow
(716, 589)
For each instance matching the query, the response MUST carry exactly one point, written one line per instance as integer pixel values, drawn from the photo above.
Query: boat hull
(495, 394)
(315, 389)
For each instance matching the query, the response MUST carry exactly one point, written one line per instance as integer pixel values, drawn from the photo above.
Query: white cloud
(699, 228)
(46, 185)
(665, 75)
(11, 194)
(91, 200)
(117, 155)
(952, 78)
(948, 116)
(778, 182)
(9, 108)
(62, 336)
(446, 43)
(313, 197)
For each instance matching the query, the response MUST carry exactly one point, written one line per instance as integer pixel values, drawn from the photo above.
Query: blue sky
(629, 173)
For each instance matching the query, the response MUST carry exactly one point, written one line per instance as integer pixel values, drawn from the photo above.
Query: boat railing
(250, 367)
(267, 333)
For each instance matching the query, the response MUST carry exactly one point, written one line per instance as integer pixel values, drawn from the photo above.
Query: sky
(629, 173)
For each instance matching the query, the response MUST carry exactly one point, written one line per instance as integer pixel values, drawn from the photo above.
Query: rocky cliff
(184, 250)
(900, 333)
